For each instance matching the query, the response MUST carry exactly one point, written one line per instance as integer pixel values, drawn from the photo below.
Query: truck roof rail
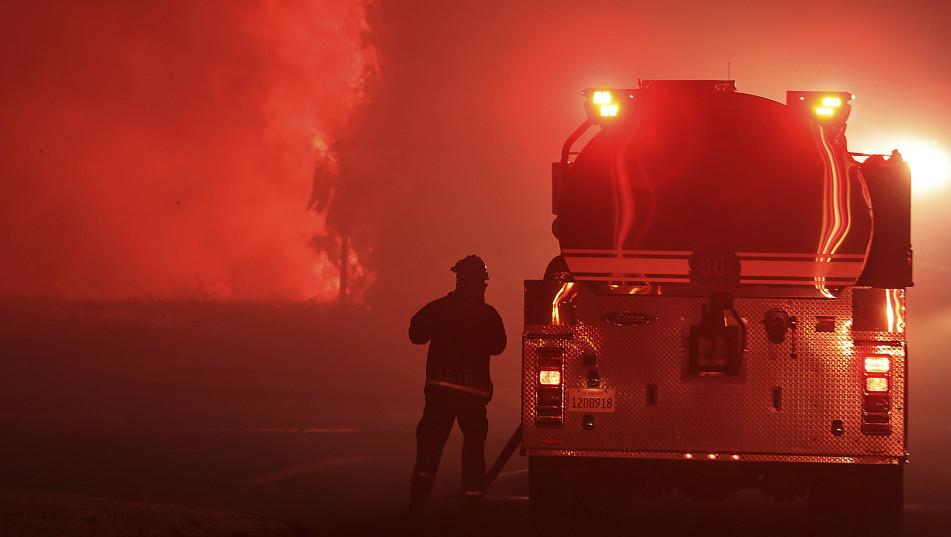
(728, 86)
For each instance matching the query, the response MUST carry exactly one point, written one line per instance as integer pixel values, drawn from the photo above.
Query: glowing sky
(165, 150)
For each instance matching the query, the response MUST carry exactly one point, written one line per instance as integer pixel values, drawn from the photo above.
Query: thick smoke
(166, 149)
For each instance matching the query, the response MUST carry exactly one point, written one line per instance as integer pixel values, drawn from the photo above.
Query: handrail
(566, 149)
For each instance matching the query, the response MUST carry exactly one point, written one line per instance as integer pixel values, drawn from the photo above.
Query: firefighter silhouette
(463, 332)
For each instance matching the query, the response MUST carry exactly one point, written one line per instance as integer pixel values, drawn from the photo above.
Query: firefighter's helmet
(471, 265)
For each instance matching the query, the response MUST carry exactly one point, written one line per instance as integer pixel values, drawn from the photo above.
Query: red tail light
(876, 400)
(549, 400)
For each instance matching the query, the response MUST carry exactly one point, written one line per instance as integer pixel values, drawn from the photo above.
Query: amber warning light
(603, 105)
(606, 107)
(602, 97)
(829, 106)
(824, 105)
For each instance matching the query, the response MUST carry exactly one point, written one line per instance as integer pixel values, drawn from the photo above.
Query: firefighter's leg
(431, 435)
(475, 428)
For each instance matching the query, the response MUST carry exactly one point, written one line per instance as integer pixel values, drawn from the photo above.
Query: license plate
(591, 400)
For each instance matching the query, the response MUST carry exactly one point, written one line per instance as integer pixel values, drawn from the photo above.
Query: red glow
(167, 150)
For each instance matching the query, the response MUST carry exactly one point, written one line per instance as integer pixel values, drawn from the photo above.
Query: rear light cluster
(549, 395)
(876, 400)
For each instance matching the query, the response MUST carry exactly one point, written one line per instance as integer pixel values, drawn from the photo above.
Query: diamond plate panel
(781, 404)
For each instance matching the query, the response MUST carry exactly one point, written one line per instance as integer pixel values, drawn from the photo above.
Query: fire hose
(504, 456)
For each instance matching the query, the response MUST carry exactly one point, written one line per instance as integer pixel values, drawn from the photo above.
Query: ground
(244, 419)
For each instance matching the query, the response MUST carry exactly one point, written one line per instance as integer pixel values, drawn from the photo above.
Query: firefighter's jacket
(462, 334)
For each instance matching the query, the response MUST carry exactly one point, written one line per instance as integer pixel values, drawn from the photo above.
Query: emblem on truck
(629, 318)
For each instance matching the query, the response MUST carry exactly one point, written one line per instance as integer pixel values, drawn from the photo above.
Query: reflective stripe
(649, 253)
(628, 265)
(834, 269)
(784, 255)
(473, 493)
(632, 278)
(686, 255)
(765, 268)
(424, 475)
(431, 382)
(810, 282)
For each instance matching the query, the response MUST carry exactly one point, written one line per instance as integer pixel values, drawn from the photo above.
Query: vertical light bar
(561, 296)
(895, 310)
(836, 212)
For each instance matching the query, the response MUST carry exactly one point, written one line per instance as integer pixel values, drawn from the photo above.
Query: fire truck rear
(727, 310)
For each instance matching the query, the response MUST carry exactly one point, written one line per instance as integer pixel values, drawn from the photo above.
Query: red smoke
(167, 149)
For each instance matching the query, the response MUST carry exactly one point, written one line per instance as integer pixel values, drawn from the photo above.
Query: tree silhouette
(346, 170)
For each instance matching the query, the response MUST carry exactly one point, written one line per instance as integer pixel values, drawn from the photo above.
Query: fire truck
(727, 310)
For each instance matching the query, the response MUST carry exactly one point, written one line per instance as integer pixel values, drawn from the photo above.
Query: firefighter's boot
(420, 487)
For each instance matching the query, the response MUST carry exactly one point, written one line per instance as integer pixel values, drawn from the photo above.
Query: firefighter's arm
(496, 334)
(421, 325)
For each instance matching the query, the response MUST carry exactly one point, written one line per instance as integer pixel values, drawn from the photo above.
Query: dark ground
(298, 413)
